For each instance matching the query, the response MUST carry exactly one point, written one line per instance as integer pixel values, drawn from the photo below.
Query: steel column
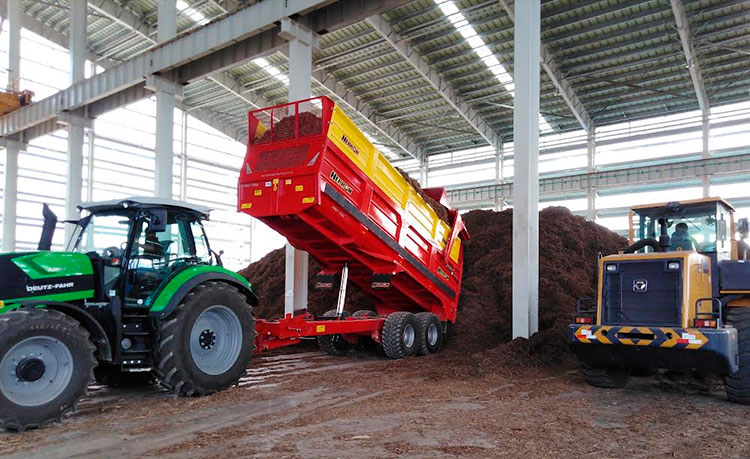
(10, 194)
(15, 14)
(74, 184)
(526, 176)
(165, 105)
(300, 87)
(591, 192)
(706, 135)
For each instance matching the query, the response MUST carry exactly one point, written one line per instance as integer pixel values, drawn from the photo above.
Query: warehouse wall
(123, 159)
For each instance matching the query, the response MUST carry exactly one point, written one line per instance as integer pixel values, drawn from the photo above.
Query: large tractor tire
(400, 335)
(429, 333)
(738, 384)
(366, 343)
(334, 344)
(46, 365)
(608, 378)
(206, 344)
(110, 375)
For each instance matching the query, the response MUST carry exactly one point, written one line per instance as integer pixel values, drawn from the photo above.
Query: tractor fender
(98, 335)
(172, 293)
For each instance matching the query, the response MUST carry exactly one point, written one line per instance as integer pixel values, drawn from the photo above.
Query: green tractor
(138, 294)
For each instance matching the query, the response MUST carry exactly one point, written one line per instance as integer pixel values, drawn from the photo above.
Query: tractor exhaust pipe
(48, 229)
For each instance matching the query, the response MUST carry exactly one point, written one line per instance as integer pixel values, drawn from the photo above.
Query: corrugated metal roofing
(623, 59)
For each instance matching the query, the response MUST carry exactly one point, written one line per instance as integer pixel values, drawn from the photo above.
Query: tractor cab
(138, 244)
(705, 226)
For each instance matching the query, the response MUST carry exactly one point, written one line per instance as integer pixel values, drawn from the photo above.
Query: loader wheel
(608, 378)
(738, 384)
(334, 344)
(206, 344)
(46, 365)
(400, 335)
(111, 375)
(429, 333)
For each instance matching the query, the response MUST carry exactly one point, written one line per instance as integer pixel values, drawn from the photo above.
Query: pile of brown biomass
(567, 263)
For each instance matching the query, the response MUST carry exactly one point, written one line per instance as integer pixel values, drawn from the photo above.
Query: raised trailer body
(315, 178)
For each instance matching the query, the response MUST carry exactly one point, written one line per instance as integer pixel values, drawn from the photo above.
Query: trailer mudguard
(166, 299)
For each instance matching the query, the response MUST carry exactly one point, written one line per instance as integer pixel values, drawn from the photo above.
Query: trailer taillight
(584, 320)
(705, 323)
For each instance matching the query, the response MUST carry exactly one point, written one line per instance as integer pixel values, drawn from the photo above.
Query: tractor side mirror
(157, 220)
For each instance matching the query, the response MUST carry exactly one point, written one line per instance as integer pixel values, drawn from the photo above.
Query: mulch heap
(567, 266)
(309, 124)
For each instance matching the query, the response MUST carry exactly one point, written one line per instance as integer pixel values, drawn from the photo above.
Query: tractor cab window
(104, 236)
(157, 253)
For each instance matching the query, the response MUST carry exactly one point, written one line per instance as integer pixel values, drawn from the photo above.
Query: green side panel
(166, 294)
(46, 265)
(8, 305)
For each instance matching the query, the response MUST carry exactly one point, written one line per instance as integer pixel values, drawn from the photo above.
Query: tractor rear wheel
(46, 365)
(608, 378)
(429, 333)
(334, 344)
(206, 344)
(399, 336)
(366, 343)
(738, 384)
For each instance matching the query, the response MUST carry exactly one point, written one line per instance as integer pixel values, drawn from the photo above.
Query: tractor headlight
(611, 268)
(673, 265)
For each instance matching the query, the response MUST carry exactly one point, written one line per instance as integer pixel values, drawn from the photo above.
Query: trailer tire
(429, 333)
(738, 384)
(193, 362)
(608, 378)
(400, 335)
(334, 344)
(52, 352)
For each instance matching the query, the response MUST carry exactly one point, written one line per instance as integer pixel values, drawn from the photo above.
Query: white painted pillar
(15, 15)
(12, 148)
(706, 182)
(74, 186)
(91, 164)
(10, 194)
(591, 195)
(165, 105)
(526, 176)
(706, 134)
(499, 177)
(424, 166)
(301, 42)
(183, 158)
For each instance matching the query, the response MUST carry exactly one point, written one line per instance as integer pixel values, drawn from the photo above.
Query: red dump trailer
(311, 175)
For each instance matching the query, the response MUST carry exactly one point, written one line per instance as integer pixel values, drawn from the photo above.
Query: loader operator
(681, 239)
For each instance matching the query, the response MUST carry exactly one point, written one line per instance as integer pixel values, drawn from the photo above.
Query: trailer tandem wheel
(429, 333)
(334, 344)
(399, 337)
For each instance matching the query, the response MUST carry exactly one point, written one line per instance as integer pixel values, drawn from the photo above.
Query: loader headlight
(611, 268)
(673, 265)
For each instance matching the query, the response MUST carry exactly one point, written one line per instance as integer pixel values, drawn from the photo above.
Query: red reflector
(584, 320)
(705, 323)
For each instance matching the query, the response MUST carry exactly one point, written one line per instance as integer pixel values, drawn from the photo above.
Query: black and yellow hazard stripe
(678, 338)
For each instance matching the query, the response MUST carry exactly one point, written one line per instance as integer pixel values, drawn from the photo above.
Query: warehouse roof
(606, 61)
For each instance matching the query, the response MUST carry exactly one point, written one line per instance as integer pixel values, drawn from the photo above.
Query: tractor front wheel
(206, 344)
(46, 365)
(738, 384)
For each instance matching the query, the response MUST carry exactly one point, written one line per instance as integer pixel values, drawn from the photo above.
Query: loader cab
(136, 246)
(705, 226)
